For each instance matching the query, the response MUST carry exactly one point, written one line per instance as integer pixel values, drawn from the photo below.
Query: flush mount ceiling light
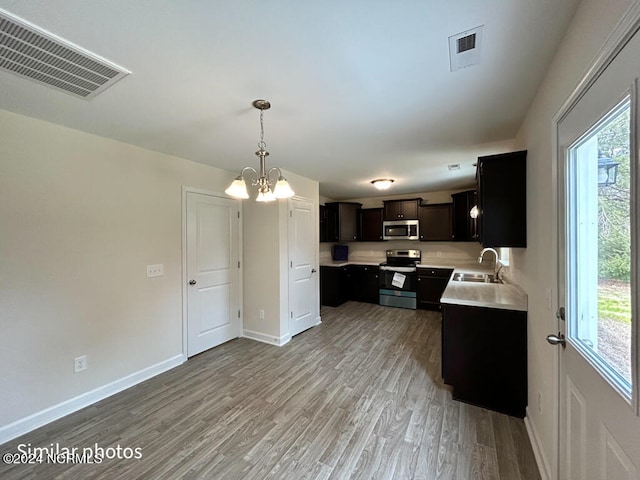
(382, 183)
(264, 178)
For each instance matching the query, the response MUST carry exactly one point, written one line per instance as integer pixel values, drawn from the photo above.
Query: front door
(303, 277)
(212, 242)
(599, 423)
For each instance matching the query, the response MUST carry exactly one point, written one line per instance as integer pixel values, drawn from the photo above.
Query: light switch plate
(155, 270)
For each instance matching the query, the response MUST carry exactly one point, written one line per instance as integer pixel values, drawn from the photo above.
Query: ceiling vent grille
(31, 52)
(467, 43)
(464, 48)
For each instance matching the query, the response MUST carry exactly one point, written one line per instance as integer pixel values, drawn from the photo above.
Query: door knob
(192, 282)
(557, 340)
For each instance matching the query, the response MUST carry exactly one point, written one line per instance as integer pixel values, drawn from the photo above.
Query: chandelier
(271, 184)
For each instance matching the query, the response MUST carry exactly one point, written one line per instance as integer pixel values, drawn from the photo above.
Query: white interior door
(599, 426)
(303, 276)
(212, 256)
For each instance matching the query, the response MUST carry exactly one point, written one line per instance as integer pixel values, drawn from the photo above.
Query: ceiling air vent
(464, 48)
(31, 52)
(466, 43)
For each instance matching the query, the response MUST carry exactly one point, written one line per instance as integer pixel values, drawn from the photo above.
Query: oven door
(398, 278)
(398, 288)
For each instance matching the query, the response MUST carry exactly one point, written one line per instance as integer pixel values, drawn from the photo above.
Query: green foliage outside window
(614, 244)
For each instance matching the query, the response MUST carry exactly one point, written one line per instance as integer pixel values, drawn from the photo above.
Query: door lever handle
(192, 282)
(557, 340)
(313, 270)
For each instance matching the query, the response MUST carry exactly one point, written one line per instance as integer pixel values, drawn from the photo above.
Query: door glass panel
(600, 247)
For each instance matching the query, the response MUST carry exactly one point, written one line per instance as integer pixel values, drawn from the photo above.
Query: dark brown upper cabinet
(501, 184)
(342, 221)
(370, 225)
(463, 226)
(435, 222)
(406, 209)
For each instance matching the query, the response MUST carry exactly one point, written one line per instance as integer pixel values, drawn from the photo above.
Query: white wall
(81, 216)
(265, 229)
(534, 267)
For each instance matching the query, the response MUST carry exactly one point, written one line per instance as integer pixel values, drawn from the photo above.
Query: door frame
(625, 29)
(201, 191)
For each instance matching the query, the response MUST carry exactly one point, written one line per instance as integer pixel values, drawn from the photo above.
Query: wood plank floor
(359, 396)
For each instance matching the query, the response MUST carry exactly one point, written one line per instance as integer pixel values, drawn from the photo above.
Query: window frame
(629, 392)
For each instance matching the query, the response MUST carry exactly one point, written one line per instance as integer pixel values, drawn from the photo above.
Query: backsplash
(375, 251)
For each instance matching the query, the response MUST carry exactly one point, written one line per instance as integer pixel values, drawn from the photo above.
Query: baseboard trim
(541, 460)
(48, 415)
(264, 338)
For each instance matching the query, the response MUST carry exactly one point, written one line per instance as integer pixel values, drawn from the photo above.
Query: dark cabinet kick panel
(484, 357)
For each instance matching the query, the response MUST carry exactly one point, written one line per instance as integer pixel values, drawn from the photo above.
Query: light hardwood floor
(359, 396)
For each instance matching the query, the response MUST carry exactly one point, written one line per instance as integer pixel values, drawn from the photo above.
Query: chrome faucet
(497, 266)
(485, 250)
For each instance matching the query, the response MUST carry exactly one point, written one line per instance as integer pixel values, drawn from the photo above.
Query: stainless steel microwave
(400, 230)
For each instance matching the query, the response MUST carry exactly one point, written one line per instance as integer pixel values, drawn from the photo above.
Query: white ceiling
(360, 89)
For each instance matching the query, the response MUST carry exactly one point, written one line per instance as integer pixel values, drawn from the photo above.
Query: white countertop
(488, 295)
(344, 263)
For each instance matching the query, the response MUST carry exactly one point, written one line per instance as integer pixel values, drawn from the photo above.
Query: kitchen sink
(476, 278)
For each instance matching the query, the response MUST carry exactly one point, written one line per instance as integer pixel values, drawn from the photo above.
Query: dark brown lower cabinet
(365, 283)
(484, 357)
(431, 283)
(351, 282)
(334, 285)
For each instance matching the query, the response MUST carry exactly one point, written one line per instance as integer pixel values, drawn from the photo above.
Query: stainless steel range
(398, 278)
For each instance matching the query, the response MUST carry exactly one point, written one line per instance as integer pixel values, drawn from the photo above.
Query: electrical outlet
(79, 364)
(155, 270)
(261, 313)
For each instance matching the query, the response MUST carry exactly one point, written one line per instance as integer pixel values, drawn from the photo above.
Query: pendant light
(271, 184)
